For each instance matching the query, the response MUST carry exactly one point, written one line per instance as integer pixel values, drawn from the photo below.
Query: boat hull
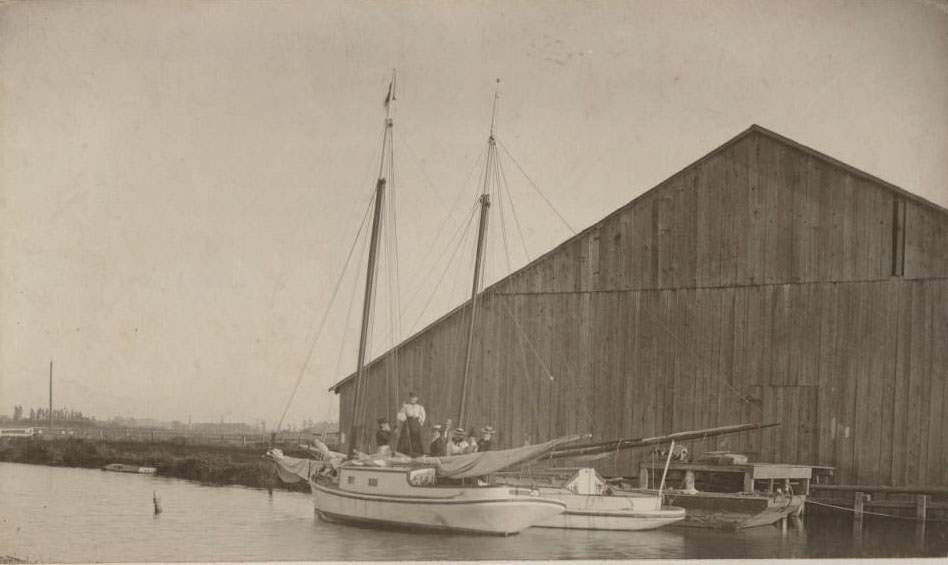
(605, 512)
(734, 511)
(122, 468)
(488, 510)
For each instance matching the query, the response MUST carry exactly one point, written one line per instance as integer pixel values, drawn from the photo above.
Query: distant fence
(189, 437)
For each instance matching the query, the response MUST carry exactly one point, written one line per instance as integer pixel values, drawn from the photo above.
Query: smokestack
(50, 395)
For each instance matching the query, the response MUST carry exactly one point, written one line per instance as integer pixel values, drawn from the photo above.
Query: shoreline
(217, 465)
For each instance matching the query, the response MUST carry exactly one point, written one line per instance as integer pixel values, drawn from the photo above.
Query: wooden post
(661, 485)
(749, 481)
(921, 506)
(858, 500)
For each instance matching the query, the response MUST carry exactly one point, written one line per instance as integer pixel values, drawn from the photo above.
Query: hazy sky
(180, 181)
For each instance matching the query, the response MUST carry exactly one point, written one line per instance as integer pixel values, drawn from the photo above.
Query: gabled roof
(754, 129)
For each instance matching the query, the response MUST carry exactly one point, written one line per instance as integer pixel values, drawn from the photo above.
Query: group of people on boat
(411, 420)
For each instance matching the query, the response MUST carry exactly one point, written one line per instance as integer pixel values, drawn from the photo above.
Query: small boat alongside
(123, 468)
(592, 505)
(724, 492)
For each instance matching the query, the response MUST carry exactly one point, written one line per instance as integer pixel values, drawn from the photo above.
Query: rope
(658, 321)
(853, 510)
(536, 398)
(322, 324)
(427, 275)
(445, 271)
(428, 182)
(513, 209)
(500, 211)
(527, 339)
(352, 300)
(537, 189)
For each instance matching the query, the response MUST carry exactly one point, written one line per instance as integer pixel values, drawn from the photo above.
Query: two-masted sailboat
(441, 493)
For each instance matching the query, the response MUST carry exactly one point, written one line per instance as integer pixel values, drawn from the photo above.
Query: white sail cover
(487, 462)
(293, 469)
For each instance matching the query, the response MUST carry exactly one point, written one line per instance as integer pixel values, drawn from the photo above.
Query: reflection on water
(58, 514)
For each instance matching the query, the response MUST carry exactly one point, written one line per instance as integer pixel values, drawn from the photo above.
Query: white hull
(391, 502)
(501, 515)
(604, 512)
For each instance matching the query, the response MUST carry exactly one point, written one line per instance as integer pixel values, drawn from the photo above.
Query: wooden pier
(920, 503)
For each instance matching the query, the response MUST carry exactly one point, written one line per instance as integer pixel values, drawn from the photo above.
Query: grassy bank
(221, 465)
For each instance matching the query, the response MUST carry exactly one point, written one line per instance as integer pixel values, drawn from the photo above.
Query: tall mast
(355, 429)
(479, 255)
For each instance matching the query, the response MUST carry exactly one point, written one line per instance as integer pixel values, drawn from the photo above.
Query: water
(79, 515)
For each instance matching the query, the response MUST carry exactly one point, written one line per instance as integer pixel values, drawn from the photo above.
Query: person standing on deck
(383, 435)
(485, 443)
(457, 445)
(469, 444)
(411, 417)
(436, 447)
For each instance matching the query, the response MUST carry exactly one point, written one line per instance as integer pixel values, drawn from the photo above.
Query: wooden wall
(765, 282)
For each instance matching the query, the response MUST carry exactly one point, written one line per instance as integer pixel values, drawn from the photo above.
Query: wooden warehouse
(764, 282)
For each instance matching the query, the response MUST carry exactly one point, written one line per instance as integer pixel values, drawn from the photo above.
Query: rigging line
(500, 212)
(424, 173)
(471, 254)
(443, 273)
(869, 513)
(536, 399)
(418, 287)
(523, 240)
(536, 188)
(394, 283)
(352, 299)
(322, 323)
(527, 339)
(742, 397)
(434, 265)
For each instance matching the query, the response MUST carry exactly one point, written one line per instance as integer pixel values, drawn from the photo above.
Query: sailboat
(592, 503)
(441, 493)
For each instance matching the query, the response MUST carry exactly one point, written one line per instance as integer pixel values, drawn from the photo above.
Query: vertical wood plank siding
(757, 284)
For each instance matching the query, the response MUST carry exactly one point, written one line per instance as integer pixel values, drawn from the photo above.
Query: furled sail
(293, 469)
(487, 462)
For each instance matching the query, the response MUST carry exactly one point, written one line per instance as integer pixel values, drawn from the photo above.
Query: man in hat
(457, 445)
(469, 444)
(487, 434)
(383, 435)
(411, 417)
(436, 447)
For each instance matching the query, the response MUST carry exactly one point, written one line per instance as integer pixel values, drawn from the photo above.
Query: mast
(479, 256)
(355, 428)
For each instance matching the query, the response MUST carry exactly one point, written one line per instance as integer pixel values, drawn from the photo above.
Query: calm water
(71, 515)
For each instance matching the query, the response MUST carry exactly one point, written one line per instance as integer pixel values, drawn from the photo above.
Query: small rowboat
(122, 468)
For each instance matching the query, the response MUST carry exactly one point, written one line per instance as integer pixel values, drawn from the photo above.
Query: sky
(181, 181)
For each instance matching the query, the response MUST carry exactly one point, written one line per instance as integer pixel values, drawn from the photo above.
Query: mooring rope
(870, 513)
